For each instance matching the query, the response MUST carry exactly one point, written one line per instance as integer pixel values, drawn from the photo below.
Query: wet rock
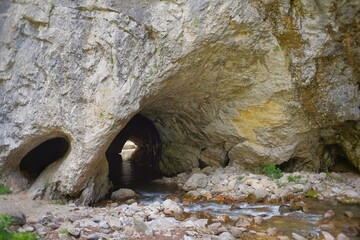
(197, 180)
(284, 209)
(349, 214)
(329, 214)
(352, 231)
(243, 222)
(330, 226)
(222, 218)
(171, 207)
(272, 231)
(258, 220)
(123, 194)
(298, 237)
(297, 206)
(326, 236)
(283, 238)
(18, 218)
(342, 236)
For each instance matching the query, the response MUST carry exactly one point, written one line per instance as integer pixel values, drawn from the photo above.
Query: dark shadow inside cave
(42, 156)
(335, 159)
(133, 156)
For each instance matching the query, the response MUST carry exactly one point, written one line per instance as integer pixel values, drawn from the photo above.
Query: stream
(303, 223)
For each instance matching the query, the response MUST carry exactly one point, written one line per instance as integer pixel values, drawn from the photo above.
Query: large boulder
(222, 81)
(197, 180)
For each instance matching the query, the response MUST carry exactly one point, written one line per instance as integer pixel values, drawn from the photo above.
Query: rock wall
(239, 82)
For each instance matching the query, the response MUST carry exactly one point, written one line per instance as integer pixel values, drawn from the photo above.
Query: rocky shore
(130, 218)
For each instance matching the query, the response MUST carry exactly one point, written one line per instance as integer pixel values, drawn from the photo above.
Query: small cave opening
(134, 154)
(335, 159)
(42, 156)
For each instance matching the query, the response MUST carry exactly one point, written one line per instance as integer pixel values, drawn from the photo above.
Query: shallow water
(303, 223)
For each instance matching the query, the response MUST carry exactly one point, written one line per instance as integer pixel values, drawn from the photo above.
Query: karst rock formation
(223, 82)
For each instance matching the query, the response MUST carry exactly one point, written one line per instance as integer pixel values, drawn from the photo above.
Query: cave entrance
(133, 156)
(42, 156)
(335, 159)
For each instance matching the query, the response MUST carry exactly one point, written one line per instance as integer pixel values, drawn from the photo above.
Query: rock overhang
(215, 79)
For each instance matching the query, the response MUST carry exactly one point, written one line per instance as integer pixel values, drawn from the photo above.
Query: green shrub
(4, 190)
(6, 234)
(272, 171)
(295, 179)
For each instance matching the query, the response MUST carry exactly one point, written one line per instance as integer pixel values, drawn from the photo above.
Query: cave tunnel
(42, 156)
(141, 138)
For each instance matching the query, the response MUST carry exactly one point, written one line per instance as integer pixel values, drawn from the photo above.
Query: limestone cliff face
(241, 82)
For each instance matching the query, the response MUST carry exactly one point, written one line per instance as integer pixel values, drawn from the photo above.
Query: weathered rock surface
(223, 81)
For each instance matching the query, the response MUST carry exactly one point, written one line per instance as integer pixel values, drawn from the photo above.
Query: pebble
(243, 222)
(329, 214)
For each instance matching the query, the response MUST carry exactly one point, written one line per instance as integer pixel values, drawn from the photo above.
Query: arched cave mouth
(133, 156)
(42, 156)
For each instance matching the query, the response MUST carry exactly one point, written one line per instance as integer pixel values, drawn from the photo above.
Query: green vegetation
(64, 231)
(272, 171)
(46, 185)
(279, 184)
(58, 202)
(6, 234)
(4, 190)
(295, 179)
(240, 177)
(311, 193)
(334, 177)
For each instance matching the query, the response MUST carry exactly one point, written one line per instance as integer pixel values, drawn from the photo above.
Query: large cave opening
(133, 156)
(42, 156)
